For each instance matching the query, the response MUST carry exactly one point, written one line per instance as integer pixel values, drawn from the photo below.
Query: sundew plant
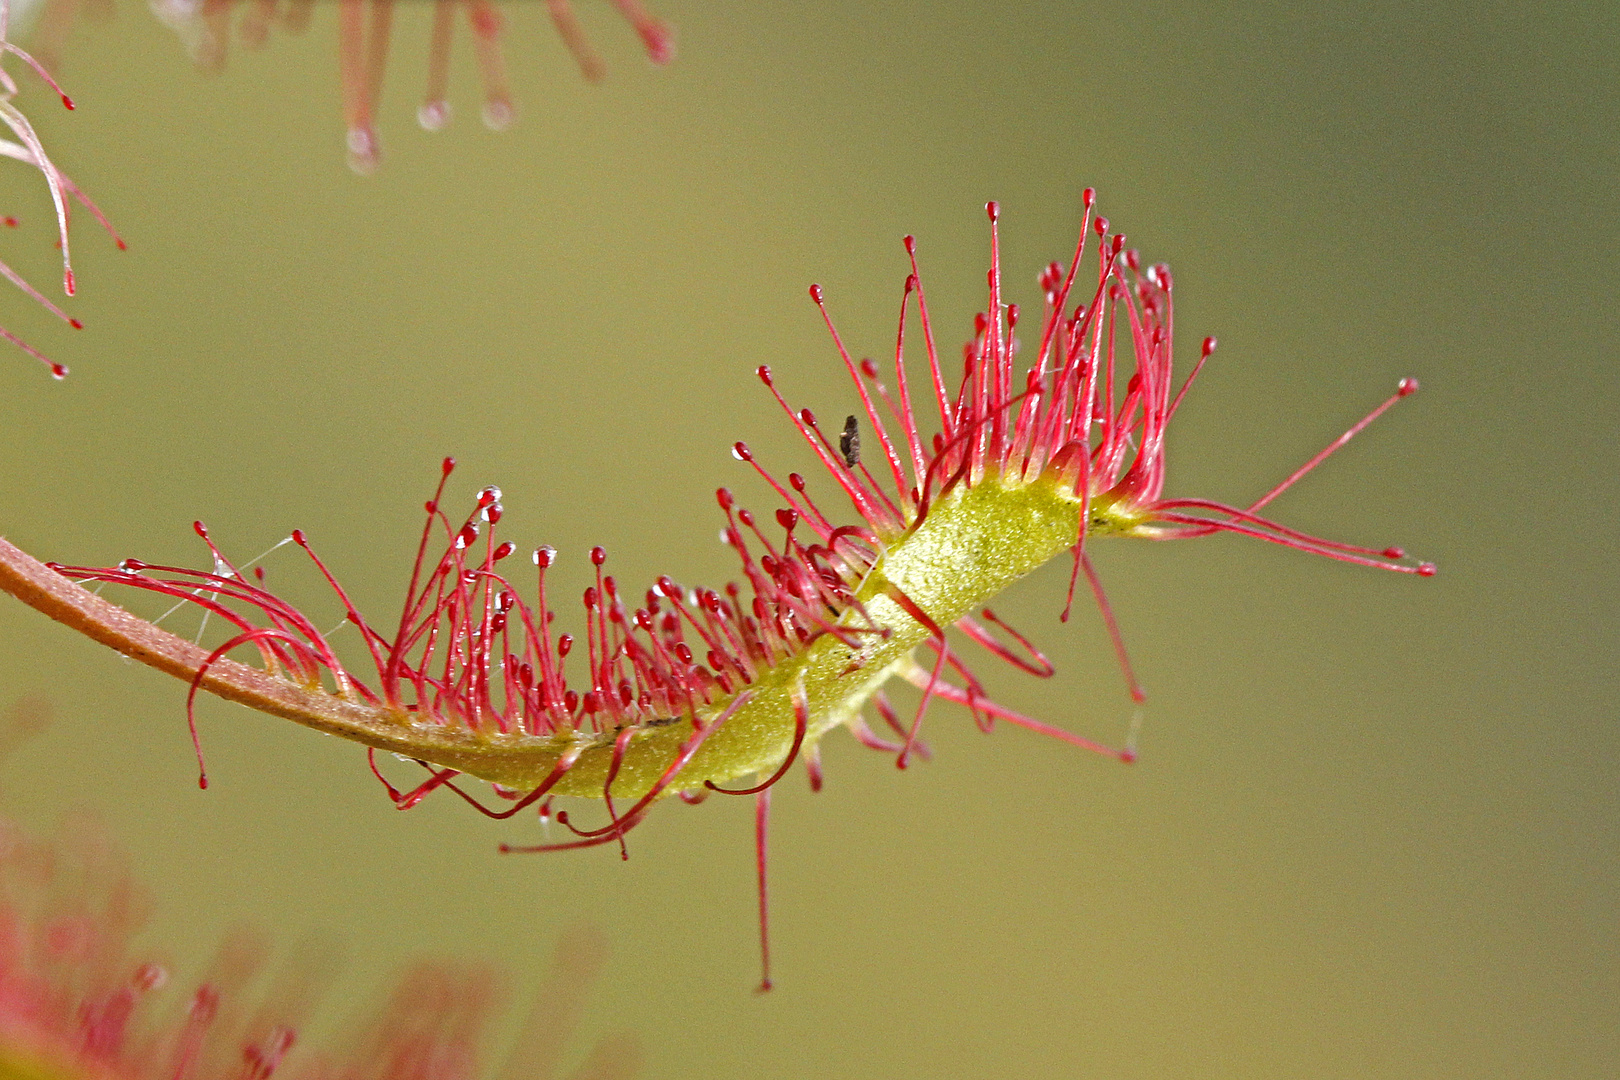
(25, 146)
(956, 479)
(84, 997)
(365, 31)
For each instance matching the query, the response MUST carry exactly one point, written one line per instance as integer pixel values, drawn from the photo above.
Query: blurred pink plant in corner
(364, 30)
(30, 151)
(80, 1001)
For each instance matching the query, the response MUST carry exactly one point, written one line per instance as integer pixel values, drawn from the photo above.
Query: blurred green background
(1374, 828)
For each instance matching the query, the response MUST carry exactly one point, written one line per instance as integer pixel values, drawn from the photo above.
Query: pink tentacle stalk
(762, 830)
(688, 690)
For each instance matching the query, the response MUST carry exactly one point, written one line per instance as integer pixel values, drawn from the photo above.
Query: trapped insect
(849, 443)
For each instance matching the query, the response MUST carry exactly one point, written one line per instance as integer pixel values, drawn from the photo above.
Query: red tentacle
(801, 723)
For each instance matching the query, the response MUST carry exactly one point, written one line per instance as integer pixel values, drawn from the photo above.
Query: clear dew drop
(498, 114)
(433, 115)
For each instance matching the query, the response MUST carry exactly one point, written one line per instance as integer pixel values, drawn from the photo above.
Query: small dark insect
(849, 443)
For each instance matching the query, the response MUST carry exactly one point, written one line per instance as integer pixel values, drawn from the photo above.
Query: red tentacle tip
(486, 21)
(59, 371)
(298, 538)
(76, 324)
(1128, 755)
(1407, 386)
(68, 285)
(1209, 345)
(723, 495)
(447, 466)
(121, 245)
(200, 529)
(598, 555)
(9, 222)
(202, 781)
(815, 293)
(1427, 569)
(741, 452)
(764, 987)
(68, 102)
(1101, 226)
(1394, 553)
(1088, 197)
(544, 556)
(764, 373)
(993, 209)
(659, 41)
(911, 244)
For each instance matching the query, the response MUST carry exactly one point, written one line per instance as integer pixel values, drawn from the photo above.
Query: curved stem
(72, 605)
(976, 541)
(376, 726)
